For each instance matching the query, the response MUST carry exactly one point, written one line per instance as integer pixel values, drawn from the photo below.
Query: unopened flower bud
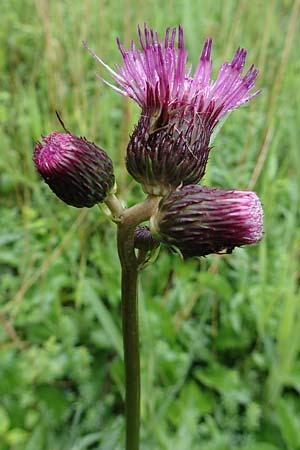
(76, 170)
(143, 239)
(199, 220)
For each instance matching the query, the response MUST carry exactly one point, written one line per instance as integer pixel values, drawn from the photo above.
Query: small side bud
(76, 170)
(143, 239)
(199, 220)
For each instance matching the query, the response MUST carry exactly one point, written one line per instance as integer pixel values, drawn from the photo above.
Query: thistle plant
(167, 154)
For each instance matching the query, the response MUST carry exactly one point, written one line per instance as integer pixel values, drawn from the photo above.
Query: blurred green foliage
(220, 337)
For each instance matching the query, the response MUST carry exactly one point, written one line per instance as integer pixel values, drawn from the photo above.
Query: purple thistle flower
(76, 170)
(170, 144)
(156, 76)
(200, 220)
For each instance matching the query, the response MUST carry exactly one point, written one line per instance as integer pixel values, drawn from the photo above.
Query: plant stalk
(131, 351)
(130, 219)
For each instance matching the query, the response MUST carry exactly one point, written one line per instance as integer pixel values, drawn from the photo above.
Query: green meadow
(220, 336)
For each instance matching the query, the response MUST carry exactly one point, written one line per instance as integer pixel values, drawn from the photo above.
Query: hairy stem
(130, 219)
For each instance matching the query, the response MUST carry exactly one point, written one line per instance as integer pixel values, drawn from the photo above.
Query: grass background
(220, 336)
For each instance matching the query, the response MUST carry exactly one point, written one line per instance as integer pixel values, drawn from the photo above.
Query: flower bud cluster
(169, 147)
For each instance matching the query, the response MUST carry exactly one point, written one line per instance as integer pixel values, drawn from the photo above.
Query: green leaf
(289, 424)
(225, 381)
(103, 315)
(4, 421)
(258, 446)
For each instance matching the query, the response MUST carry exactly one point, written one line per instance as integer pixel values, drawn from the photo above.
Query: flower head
(77, 171)
(200, 220)
(175, 103)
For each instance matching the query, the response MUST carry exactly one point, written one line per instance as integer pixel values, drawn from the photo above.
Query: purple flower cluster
(168, 150)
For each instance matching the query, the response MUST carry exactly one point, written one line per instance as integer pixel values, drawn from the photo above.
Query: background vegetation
(221, 335)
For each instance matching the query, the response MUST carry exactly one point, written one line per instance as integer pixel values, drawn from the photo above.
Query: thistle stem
(115, 207)
(131, 347)
(130, 219)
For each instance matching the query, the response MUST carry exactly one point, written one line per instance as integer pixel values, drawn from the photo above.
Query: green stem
(130, 219)
(131, 349)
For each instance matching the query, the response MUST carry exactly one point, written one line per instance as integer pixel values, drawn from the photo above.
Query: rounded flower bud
(143, 239)
(200, 220)
(76, 170)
